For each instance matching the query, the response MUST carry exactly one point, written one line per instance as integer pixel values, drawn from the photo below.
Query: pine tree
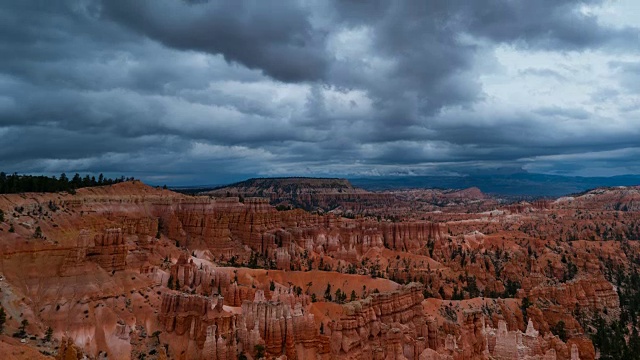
(338, 295)
(3, 318)
(327, 293)
(259, 349)
(156, 335)
(170, 282)
(22, 330)
(48, 334)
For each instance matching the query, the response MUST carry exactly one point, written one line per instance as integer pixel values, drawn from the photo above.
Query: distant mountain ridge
(339, 195)
(292, 184)
(520, 184)
(303, 192)
(526, 185)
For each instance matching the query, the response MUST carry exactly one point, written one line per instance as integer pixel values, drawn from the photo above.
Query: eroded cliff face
(223, 224)
(283, 327)
(127, 270)
(338, 196)
(205, 328)
(389, 325)
(394, 325)
(201, 325)
(502, 343)
(594, 294)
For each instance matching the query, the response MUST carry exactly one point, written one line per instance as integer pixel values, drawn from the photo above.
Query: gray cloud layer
(207, 91)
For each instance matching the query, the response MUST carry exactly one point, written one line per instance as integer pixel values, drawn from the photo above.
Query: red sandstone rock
(101, 273)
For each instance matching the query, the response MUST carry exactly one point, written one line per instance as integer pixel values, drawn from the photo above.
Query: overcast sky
(186, 92)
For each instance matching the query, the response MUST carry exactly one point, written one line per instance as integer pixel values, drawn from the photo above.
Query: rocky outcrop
(224, 225)
(69, 351)
(595, 294)
(503, 344)
(109, 250)
(234, 294)
(623, 198)
(391, 324)
(201, 320)
(306, 193)
(410, 235)
(283, 330)
(279, 327)
(203, 279)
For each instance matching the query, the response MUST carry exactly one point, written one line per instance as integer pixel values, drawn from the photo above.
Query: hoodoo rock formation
(390, 324)
(128, 271)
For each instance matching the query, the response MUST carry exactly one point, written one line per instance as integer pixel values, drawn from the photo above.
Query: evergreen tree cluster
(611, 340)
(619, 338)
(14, 183)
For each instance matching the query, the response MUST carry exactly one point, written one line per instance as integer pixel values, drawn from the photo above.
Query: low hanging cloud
(212, 91)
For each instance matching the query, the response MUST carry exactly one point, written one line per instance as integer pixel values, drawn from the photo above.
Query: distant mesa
(340, 196)
(289, 185)
(299, 192)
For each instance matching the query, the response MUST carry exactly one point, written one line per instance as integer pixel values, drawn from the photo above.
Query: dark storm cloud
(432, 67)
(548, 24)
(435, 67)
(63, 144)
(186, 90)
(273, 36)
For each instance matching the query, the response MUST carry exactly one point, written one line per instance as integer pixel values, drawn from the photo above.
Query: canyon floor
(318, 269)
